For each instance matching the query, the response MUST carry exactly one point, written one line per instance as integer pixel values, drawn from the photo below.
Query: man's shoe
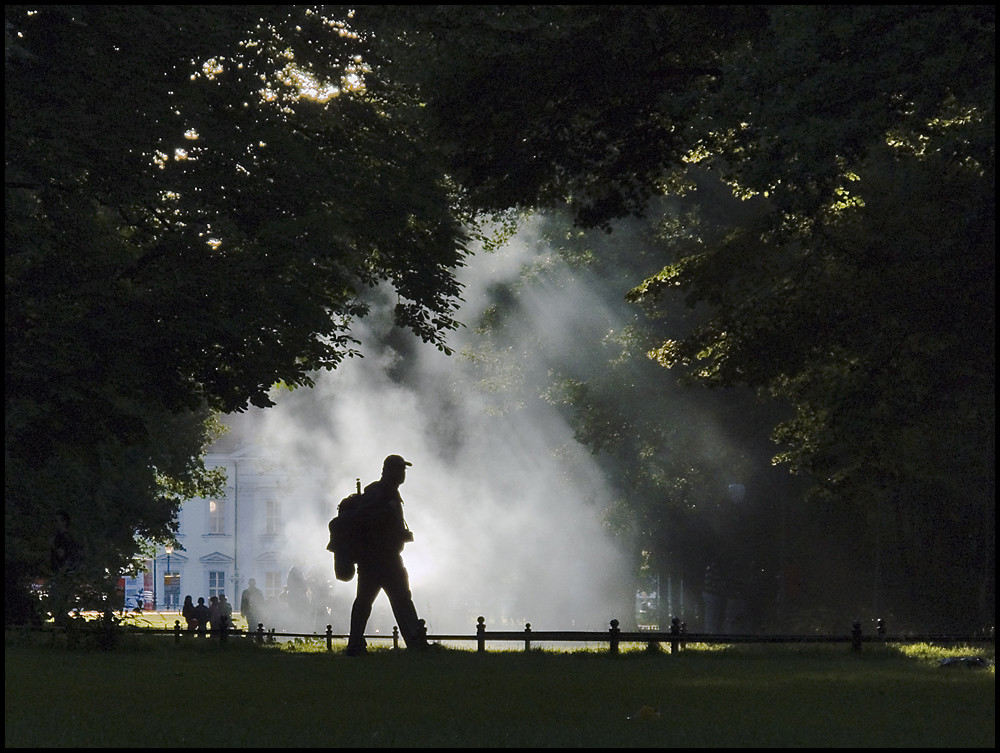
(425, 647)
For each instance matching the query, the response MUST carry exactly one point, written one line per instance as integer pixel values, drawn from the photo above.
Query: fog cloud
(506, 509)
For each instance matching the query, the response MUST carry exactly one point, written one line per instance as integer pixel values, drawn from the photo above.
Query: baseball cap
(394, 460)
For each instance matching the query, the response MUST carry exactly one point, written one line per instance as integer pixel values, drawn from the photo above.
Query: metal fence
(676, 638)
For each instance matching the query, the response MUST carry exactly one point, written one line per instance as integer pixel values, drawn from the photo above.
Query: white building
(235, 537)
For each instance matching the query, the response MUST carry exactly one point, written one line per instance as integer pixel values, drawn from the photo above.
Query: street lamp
(167, 578)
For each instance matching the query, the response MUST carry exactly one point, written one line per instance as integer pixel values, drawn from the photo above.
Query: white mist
(505, 509)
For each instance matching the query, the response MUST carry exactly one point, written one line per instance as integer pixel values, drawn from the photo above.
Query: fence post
(481, 635)
(675, 634)
(527, 636)
(856, 636)
(684, 632)
(260, 633)
(614, 638)
(880, 628)
(177, 631)
(329, 637)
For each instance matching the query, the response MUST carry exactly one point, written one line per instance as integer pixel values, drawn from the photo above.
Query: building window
(272, 584)
(216, 516)
(273, 517)
(216, 583)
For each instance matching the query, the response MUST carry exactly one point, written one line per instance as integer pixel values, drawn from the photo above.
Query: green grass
(150, 691)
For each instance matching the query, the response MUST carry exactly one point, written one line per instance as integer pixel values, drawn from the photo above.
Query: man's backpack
(347, 534)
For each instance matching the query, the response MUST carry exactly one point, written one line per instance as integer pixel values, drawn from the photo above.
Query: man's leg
(368, 588)
(397, 588)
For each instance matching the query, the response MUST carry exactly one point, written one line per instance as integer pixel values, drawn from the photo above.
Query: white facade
(228, 540)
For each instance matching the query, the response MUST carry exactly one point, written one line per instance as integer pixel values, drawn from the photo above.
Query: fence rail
(677, 637)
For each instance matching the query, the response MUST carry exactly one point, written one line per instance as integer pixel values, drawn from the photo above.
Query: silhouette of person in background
(225, 613)
(252, 605)
(187, 612)
(319, 598)
(201, 615)
(380, 561)
(214, 615)
(297, 595)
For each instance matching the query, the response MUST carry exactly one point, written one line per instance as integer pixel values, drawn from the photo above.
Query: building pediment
(217, 558)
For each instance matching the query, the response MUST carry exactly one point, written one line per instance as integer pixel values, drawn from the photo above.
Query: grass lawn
(150, 691)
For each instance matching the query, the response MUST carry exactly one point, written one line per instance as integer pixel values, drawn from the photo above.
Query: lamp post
(166, 578)
(236, 529)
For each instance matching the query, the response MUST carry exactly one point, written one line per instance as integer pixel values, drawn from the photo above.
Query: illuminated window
(216, 516)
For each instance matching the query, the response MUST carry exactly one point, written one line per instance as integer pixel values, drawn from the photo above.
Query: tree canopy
(862, 290)
(198, 197)
(853, 273)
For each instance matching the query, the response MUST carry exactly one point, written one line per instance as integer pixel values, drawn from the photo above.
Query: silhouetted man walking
(380, 560)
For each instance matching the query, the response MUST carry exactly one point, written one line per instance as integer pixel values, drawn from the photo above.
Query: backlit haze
(505, 508)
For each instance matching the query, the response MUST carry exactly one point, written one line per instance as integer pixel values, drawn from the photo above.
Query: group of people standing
(214, 617)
